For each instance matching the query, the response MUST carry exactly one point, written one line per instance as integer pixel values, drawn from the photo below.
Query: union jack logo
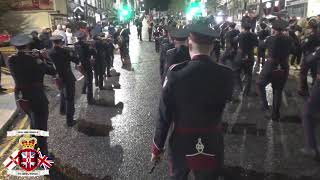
(28, 159)
(44, 162)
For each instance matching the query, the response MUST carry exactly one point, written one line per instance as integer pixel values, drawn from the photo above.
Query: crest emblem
(28, 161)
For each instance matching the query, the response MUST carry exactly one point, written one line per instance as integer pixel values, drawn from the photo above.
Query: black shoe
(71, 123)
(62, 113)
(84, 92)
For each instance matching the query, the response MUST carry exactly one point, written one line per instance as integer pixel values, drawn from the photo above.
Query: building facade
(39, 14)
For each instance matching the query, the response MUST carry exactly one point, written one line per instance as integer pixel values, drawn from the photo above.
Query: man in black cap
(311, 109)
(165, 45)
(85, 54)
(308, 46)
(262, 35)
(36, 43)
(276, 68)
(180, 53)
(196, 140)
(245, 55)
(231, 44)
(28, 73)
(62, 59)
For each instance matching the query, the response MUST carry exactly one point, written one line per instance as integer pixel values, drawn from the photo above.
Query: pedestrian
(156, 36)
(100, 63)
(165, 45)
(45, 38)
(60, 31)
(36, 43)
(139, 28)
(180, 52)
(125, 35)
(262, 35)
(231, 45)
(196, 140)
(70, 38)
(245, 56)
(85, 56)
(150, 29)
(311, 108)
(110, 50)
(276, 68)
(62, 58)
(2, 64)
(308, 46)
(28, 73)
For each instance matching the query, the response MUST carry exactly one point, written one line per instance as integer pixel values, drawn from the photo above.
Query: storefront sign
(295, 2)
(23, 5)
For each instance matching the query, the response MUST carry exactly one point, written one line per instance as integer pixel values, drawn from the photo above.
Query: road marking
(23, 123)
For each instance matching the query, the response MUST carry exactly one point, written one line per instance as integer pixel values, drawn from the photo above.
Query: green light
(125, 13)
(195, 9)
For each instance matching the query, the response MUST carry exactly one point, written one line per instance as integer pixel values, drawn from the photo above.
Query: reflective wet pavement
(112, 139)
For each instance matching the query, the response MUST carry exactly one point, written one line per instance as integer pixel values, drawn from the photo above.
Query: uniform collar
(200, 56)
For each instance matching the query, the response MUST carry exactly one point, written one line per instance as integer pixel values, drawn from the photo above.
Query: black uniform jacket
(164, 47)
(315, 58)
(310, 43)
(175, 56)
(84, 53)
(28, 76)
(192, 102)
(62, 59)
(231, 38)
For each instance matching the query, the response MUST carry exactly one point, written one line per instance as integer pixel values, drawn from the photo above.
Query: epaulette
(12, 55)
(176, 67)
(170, 51)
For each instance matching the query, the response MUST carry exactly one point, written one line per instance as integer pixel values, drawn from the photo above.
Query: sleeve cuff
(155, 150)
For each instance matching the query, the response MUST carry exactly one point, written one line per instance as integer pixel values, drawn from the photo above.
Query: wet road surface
(255, 147)
(112, 140)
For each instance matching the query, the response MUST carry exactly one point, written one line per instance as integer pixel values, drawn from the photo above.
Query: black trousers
(99, 72)
(150, 33)
(305, 68)
(261, 55)
(296, 57)
(39, 120)
(157, 45)
(309, 119)
(87, 85)
(67, 94)
(246, 68)
(278, 83)
(140, 34)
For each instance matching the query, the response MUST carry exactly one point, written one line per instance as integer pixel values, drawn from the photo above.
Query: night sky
(162, 4)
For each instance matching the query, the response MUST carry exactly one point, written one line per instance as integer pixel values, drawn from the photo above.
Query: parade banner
(23, 5)
(34, 132)
(22, 173)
